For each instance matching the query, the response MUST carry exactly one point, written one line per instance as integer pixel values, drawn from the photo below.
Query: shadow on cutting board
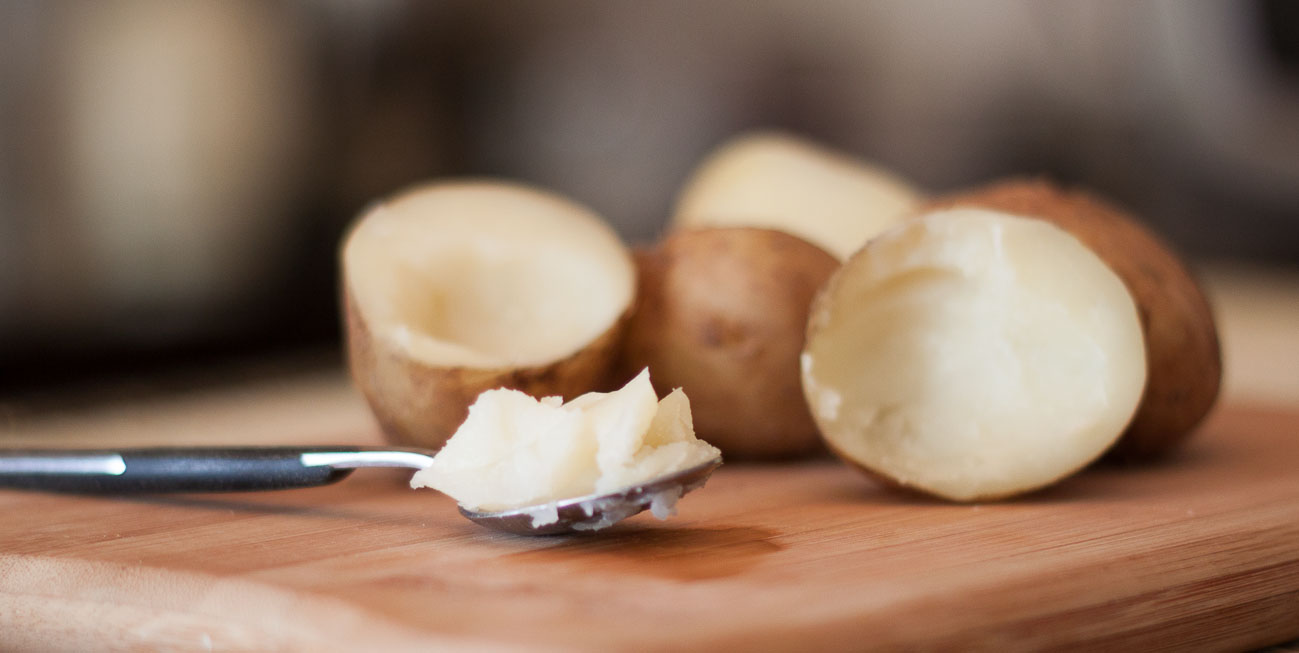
(1100, 481)
(684, 554)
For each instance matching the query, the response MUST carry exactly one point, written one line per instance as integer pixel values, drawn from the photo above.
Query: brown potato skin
(420, 405)
(721, 313)
(1183, 355)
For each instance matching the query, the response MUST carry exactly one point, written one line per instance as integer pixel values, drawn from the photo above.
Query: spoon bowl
(596, 511)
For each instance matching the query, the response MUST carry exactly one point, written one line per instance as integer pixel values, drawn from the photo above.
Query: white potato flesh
(486, 275)
(974, 355)
(780, 182)
(515, 451)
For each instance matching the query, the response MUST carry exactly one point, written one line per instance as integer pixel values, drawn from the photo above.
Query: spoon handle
(170, 469)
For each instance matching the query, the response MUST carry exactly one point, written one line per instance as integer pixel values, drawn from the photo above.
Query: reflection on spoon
(597, 511)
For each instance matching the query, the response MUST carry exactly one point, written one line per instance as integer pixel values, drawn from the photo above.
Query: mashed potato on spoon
(515, 451)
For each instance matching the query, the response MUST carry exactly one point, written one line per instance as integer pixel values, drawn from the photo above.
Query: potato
(516, 451)
(721, 313)
(777, 181)
(454, 288)
(1182, 350)
(973, 355)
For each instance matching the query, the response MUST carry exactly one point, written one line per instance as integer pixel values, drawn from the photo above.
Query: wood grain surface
(1201, 552)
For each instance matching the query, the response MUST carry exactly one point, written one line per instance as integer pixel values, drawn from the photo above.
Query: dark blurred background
(175, 176)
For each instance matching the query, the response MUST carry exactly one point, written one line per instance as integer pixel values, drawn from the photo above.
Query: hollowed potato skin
(421, 405)
(1183, 354)
(421, 402)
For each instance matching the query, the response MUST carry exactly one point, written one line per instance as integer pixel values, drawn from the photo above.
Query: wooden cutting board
(1199, 552)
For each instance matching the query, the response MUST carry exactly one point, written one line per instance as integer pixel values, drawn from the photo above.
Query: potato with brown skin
(422, 405)
(722, 313)
(1182, 350)
(454, 288)
(973, 355)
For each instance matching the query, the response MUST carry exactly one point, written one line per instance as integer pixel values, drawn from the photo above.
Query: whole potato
(722, 313)
(1182, 351)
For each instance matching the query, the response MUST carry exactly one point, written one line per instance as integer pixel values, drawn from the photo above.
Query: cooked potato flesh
(974, 354)
(487, 276)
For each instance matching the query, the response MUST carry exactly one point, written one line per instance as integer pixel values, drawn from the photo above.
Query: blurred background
(175, 177)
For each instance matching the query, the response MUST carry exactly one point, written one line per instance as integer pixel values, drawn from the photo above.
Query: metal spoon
(239, 469)
(596, 511)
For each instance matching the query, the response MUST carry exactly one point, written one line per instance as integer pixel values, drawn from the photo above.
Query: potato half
(722, 314)
(777, 181)
(1182, 350)
(454, 288)
(973, 355)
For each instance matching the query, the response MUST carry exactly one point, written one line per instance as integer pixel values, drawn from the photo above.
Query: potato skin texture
(422, 405)
(722, 313)
(1183, 354)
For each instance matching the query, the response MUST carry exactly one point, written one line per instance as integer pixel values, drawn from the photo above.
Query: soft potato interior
(486, 275)
(1183, 354)
(515, 450)
(776, 181)
(974, 354)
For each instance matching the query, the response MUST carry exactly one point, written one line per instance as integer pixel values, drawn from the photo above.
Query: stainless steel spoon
(596, 511)
(240, 469)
